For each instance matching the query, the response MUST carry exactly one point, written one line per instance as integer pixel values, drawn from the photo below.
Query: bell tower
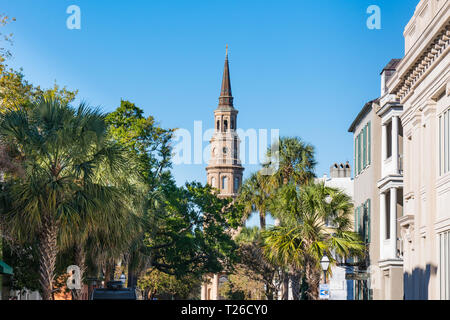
(224, 171)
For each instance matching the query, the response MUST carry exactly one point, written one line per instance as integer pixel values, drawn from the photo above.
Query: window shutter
(359, 153)
(364, 136)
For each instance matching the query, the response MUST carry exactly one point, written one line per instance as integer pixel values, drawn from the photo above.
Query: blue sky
(304, 67)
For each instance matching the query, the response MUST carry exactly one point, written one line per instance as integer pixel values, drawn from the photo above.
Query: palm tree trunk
(296, 277)
(109, 271)
(48, 251)
(285, 286)
(313, 279)
(80, 261)
(132, 279)
(262, 220)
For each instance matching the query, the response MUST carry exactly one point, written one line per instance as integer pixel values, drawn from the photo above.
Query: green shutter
(359, 153)
(364, 135)
(369, 149)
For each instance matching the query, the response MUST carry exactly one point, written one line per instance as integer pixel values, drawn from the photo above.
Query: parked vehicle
(114, 291)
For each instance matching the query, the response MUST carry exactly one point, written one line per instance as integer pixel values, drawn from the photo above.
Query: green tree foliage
(64, 152)
(297, 162)
(25, 259)
(316, 223)
(162, 286)
(143, 137)
(192, 233)
(253, 267)
(6, 38)
(255, 196)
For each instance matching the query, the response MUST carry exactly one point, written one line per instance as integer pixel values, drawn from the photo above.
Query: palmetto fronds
(69, 186)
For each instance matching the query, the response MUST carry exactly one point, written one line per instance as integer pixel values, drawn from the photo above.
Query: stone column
(215, 287)
(204, 292)
(382, 223)
(393, 223)
(395, 144)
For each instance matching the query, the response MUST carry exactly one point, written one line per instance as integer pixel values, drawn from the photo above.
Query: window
(236, 184)
(444, 143)
(444, 265)
(213, 182)
(225, 125)
(232, 124)
(224, 183)
(218, 125)
(388, 215)
(389, 140)
(363, 152)
(366, 221)
(362, 221)
(235, 151)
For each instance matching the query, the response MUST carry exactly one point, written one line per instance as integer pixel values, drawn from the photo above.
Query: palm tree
(296, 165)
(296, 162)
(62, 150)
(305, 237)
(255, 197)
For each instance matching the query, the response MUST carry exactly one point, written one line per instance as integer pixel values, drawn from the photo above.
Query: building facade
(366, 130)
(421, 84)
(390, 186)
(406, 178)
(224, 171)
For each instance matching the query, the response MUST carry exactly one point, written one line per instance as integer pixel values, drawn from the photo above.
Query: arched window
(218, 125)
(224, 183)
(225, 125)
(232, 124)
(236, 184)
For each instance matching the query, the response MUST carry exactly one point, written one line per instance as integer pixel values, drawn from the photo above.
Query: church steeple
(226, 97)
(225, 169)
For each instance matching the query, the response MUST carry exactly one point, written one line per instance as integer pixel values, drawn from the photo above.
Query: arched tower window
(232, 124)
(225, 125)
(218, 125)
(236, 184)
(224, 183)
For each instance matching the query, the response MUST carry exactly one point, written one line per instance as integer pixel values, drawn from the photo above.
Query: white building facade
(421, 84)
